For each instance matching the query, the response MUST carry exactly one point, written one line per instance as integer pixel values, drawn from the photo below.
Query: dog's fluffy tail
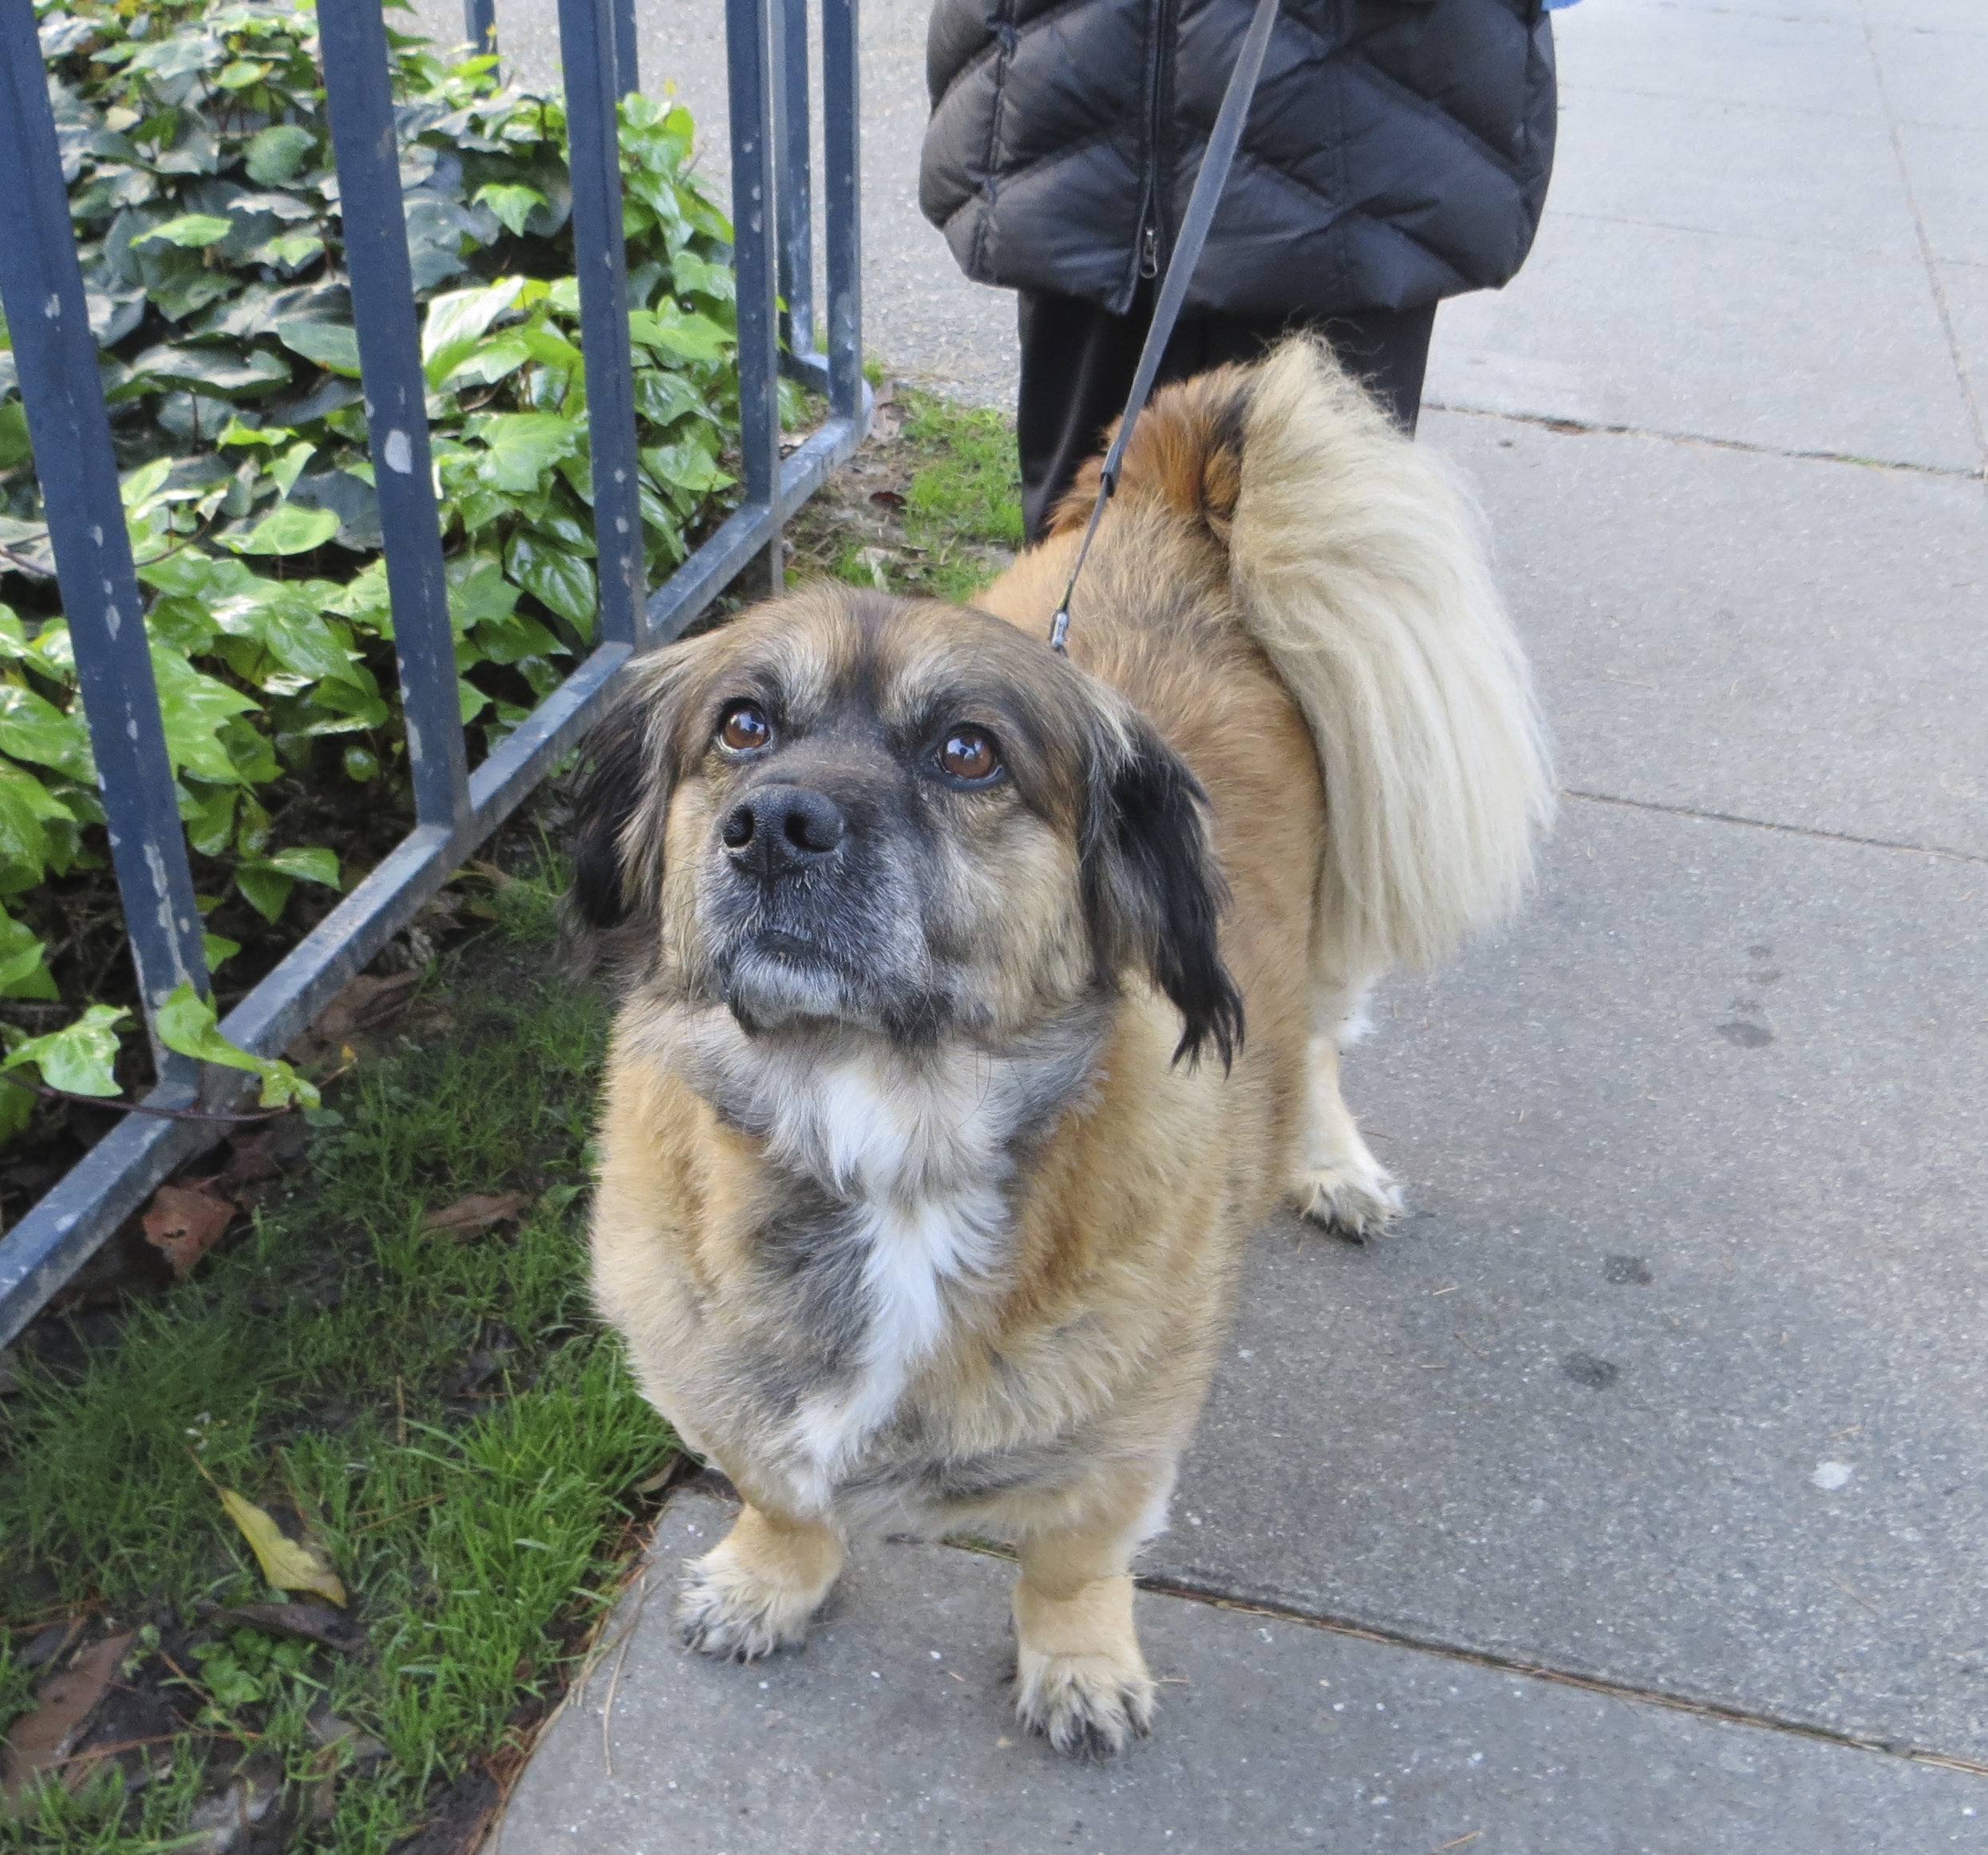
(1363, 571)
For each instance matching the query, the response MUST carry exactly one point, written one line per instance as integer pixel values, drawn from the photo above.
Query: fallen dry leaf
(44, 1737)
(186, 1221)
(285, 1563)
(306, 1623)
(370, 1002)
(478, 1211)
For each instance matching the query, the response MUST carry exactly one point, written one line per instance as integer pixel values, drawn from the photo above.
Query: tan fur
(1215, 605)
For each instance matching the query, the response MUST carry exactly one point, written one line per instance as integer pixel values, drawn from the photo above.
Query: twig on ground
(614, 1680)
(112, 1101)
(1846, 1590)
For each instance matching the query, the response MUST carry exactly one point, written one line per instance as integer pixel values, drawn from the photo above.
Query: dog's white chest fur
(920, 1166)
(918, 1149)
(917, 1152)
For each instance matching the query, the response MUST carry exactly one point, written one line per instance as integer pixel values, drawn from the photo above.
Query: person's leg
(1387, 348)
(1077, 363)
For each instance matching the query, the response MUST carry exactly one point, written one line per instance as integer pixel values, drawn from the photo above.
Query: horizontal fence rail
(456, 807)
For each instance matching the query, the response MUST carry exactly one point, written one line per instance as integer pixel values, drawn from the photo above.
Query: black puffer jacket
(1397, 153)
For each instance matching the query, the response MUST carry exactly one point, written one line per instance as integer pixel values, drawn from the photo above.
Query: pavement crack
(1556, 422)
(1772, 824)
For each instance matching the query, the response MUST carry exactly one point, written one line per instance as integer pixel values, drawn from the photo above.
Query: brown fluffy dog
(931, 1137)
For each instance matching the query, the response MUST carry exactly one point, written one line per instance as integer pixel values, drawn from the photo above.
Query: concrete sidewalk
(1671, 1394)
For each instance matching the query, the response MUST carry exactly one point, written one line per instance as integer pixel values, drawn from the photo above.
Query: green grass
(444, 1416)
(962, 504)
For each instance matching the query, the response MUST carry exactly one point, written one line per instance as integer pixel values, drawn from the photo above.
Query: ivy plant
(205, 201)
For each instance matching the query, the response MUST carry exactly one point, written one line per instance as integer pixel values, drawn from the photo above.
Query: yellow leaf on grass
(285, 1564)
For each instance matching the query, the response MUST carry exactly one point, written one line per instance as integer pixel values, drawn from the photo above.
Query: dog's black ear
(610, 786)
(1153, 892)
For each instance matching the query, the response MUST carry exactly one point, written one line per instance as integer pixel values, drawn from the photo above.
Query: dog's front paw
(1089, 1706)
(1080, 1680)
(725, 1610)
(755, 1592)
(1353, 1198)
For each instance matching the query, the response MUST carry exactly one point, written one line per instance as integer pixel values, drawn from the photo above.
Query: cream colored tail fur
(1363, 571)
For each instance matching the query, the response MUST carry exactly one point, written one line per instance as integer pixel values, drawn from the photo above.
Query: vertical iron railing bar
(587, 49)
(627, 60)
(352, 36)
(794, 207)
(843, 208)
(480, 22)
(55, 358)
(749, 58)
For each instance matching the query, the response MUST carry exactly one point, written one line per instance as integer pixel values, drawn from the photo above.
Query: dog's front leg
(755, 1592)
(1080, 1678)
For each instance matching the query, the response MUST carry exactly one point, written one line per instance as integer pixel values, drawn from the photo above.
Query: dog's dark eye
(744, 726)
(970, 754)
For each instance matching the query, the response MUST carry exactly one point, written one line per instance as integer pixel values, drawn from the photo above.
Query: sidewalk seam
(1159, 1585)
(1164, 1587)
(1771, 825)
(1552, 422)
(1940, 304)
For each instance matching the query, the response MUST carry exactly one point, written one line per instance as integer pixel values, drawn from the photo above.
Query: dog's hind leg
(1339, 1184)
(755, 1592)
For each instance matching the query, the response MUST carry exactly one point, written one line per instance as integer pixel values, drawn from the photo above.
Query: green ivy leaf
(291, 529)
(267, 890)
(15, 446)
(559, 581)
(216, 948)
(457, 322)
(26, 806)
(513, 205)
(78, 1059)
(32, 728)
(194, 707)
(24, 972)
(288, 250)
(209, 818)
(220, 371)
(685, 466)
(186, 1022)
(523, 446)
(275, 153)
(330, 345)
(287, 468)
(689, 336)
(193, 230)
(478, 591)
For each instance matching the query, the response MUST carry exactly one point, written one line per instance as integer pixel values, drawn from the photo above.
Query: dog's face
(898, 815)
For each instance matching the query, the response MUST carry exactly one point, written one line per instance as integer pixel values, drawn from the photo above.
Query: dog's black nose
(781, 828)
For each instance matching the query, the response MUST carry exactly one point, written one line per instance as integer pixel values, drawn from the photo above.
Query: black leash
(1173, 287)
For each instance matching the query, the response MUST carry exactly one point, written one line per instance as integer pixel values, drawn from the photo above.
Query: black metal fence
(456, 808)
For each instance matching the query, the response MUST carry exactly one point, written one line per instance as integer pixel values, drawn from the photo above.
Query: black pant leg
(1078, 361)
(1389, 349)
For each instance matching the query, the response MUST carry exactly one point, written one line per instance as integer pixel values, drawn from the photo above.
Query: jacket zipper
(1151, 216)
